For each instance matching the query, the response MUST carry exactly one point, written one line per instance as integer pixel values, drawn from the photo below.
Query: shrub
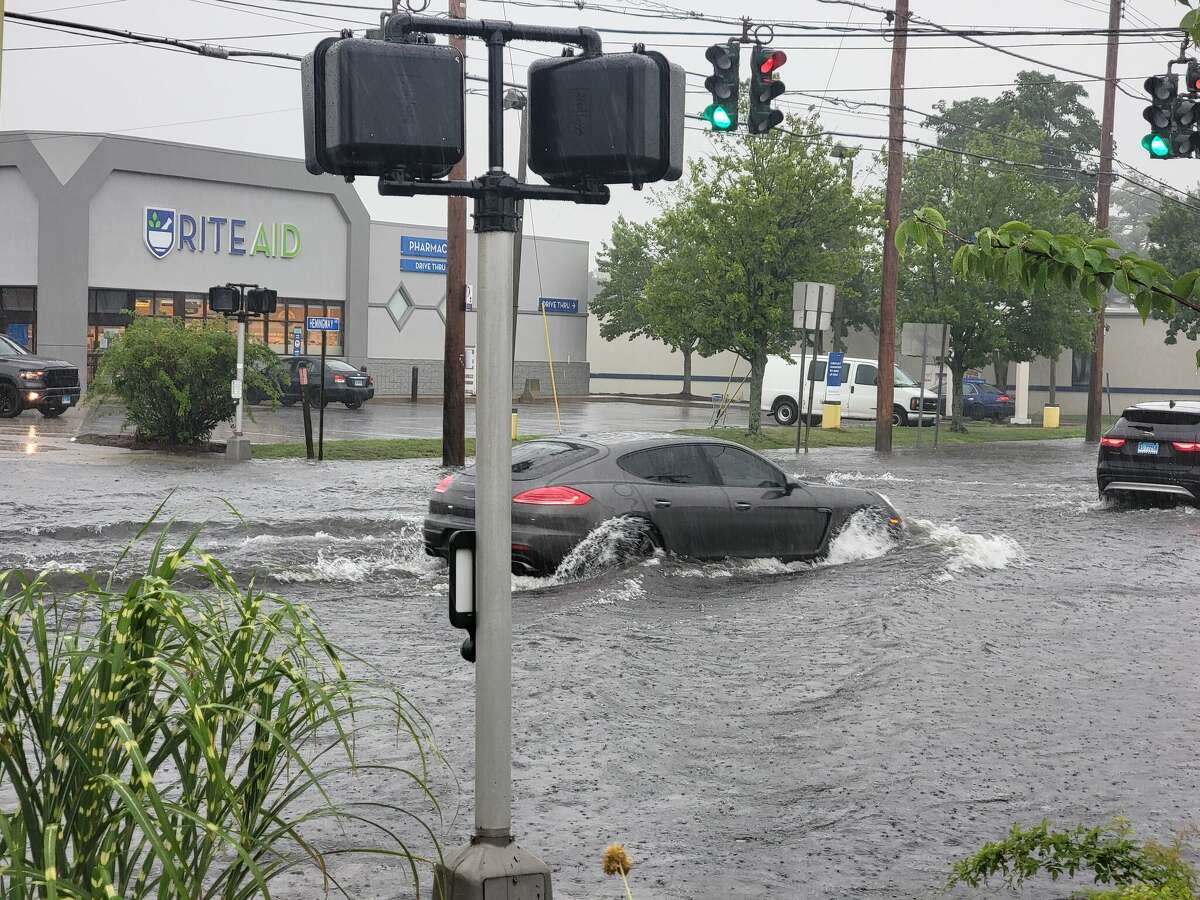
(1149, 871)
(170, 744)
(174, 378)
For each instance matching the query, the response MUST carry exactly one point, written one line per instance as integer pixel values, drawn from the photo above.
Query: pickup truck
(50, 386)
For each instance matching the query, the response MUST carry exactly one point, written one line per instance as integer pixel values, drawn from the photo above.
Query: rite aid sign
(165, 230)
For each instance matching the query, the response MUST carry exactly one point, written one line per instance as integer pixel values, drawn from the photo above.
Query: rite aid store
(95, 229)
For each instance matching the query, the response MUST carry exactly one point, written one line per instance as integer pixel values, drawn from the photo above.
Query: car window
(969, 390)
(539, 458)
(988, 390)
(864, 374)
(10, 347)
(678, 464)
(900, 378)
(738, 468)
(816, 370)
(338, 366)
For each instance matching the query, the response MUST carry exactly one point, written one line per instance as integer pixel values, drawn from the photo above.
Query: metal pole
(493, 522)
(241, 372)
(522, 173)
(454, 350)
(321, 426)
(891, 260)
(1, 53)
(803, 364)
(937, 419)
(1103, 192)
(921, 402)
(816, 355)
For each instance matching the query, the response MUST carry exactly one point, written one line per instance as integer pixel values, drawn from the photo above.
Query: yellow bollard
(1050, 416)
(514, 424)
(831, 414)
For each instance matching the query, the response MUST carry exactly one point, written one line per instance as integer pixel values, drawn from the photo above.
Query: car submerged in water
(693, 497)
(1152, 452)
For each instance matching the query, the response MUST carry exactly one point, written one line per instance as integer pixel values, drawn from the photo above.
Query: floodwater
(748, 729)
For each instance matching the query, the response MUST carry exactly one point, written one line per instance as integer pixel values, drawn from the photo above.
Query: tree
(1066, 131)
(626, 261)
(986, 321)
(174, 378)
(1131, 210)
(761, 213)
(1173, 239)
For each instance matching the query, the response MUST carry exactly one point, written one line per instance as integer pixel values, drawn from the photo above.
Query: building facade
(96, 229)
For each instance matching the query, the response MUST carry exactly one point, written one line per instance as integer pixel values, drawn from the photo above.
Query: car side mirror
(792, 486)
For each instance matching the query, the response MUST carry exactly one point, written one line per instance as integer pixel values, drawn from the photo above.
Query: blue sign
(19, 333)
(323, 323)
(836, 369)
(423, 246)
(423, 266)
(557, 305)
(297, 340)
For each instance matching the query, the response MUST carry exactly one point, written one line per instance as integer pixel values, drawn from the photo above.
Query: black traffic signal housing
(615, 118)
(764, 88)
(261, 301)
(1163, 91)
(376, 107)
(722, 84)
(1193, 77)
(226, 300)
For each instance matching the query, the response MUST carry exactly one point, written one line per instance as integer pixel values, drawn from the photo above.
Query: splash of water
(838, 479)
(612, 543)
(968, 550)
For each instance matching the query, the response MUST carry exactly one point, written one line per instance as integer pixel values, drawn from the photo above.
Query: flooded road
(749, 729)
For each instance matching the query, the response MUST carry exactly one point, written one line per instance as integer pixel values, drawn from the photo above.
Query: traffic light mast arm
(401, 25)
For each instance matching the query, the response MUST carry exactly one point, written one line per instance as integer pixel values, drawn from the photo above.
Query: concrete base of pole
(491, 868)
(237, 449)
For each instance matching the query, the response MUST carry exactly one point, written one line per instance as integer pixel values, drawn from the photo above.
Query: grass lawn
(369, 448)
(774, 437)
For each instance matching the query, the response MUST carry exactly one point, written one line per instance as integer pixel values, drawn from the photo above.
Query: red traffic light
(773, 62)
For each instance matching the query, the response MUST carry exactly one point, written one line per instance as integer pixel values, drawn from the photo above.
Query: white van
(784, 396)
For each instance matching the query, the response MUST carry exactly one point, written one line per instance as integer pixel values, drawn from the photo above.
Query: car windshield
(9, 347)
(902, 379)
(543, 457)
(336, 365)
(990, 389)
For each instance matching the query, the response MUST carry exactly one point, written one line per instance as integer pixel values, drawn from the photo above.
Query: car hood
(37, 362)
(836, 497)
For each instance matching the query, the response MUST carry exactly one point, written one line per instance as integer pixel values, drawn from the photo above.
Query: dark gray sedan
(694, 497)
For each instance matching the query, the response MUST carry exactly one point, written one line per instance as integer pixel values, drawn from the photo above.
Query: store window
(18, 315)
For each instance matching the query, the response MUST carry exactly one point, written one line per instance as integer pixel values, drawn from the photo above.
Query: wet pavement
(749, 729)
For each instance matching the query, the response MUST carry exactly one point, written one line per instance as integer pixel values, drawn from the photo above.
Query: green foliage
(174, 378)
(1173, 238)
(163, 743)
(1109, 853)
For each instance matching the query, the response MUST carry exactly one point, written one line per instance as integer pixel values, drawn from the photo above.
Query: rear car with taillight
(1152, 451)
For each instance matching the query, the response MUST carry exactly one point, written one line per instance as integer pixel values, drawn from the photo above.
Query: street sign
(297, 340)
(835, 369)
(323, 323)
(554, 305)
(812, 305)
(424, 266)
(919, 338)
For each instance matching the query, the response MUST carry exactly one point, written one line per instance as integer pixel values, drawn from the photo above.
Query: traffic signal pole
(1103, 193)
(891, 257)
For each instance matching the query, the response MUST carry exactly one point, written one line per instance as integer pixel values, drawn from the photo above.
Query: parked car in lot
(51, 386)
(694, 497)
(986, 401)
(343, 383)
(1153, 450)
(785, 397)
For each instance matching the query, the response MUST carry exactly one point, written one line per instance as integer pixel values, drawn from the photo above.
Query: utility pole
(891, 258)
(454, 442)
(1103, 192)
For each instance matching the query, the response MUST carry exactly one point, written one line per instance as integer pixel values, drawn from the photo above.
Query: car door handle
(742, 504)
(662, 504)
(852, 389)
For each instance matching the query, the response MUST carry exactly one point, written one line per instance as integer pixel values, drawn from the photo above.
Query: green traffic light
(718, 117)
(1156, 145)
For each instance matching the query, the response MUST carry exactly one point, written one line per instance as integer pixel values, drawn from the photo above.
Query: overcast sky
(57, 81)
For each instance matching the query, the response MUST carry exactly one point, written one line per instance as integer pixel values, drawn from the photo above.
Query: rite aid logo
(166, 229)
(160, 230)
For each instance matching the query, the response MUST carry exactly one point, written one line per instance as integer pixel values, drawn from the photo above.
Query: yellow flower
(616, 860)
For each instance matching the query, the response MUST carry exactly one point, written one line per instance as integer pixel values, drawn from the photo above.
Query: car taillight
(558, 495)
(370, 379)
(1186, 446)
(339, 379)
(1112, 442)
(1004, 398)
(443, 485)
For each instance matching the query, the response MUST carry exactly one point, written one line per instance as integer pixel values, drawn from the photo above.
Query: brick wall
(393, 377)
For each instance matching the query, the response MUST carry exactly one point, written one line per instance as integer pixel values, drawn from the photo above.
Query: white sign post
(812, 310)
(915, 340)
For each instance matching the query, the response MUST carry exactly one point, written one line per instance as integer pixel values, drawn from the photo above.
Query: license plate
(66, 401)
(1147, 448)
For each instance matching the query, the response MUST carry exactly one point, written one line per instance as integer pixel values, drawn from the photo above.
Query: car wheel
(52, 412)
(354, 404)
(899, 417)
(647, 540)
(10, 401)
(786, 412)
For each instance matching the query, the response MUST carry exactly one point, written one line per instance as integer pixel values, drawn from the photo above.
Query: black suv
(50, 386)
(1152, 450)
